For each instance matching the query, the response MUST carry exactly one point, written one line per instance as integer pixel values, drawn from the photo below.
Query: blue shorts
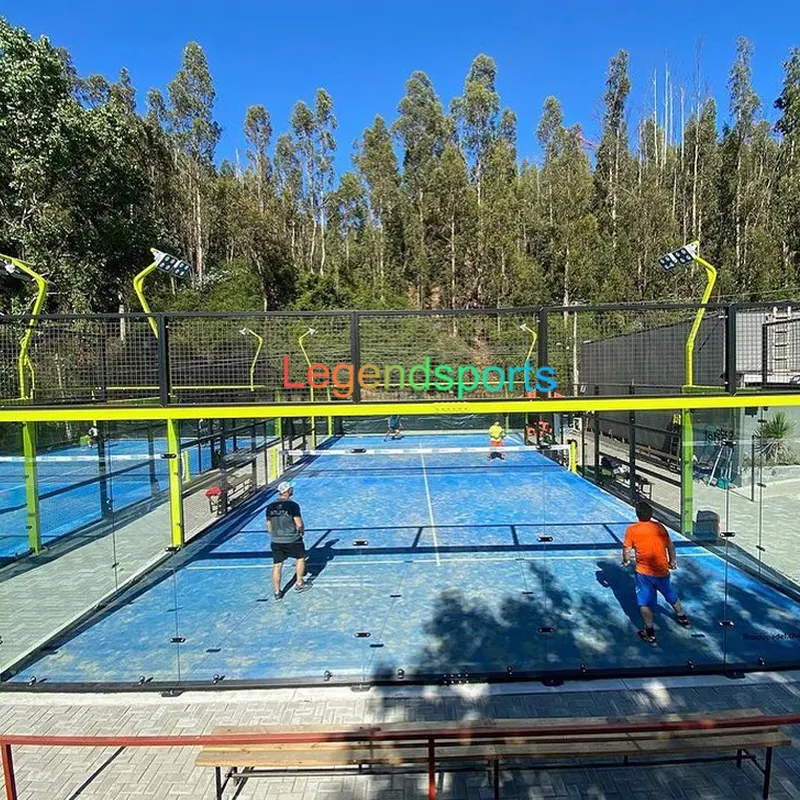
(648, 586)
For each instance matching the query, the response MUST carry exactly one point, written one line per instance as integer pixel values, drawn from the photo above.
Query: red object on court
(213, 491)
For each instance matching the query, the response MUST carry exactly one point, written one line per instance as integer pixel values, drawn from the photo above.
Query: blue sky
(275, 53)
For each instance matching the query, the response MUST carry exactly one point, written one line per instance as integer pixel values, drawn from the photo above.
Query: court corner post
(175, 483)
(33, 518)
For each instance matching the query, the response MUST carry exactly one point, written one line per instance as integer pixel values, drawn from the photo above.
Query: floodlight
(164, 262)
(172, 265)
(679, 258)
(14, 272)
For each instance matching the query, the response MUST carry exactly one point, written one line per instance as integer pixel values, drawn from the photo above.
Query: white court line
(371, 562)
(430, 509)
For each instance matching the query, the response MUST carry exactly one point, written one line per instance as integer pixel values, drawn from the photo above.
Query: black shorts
(283, 550)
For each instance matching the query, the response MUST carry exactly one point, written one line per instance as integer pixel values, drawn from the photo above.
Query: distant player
(285, 527)
(496, 436)
(655, 557)
(393, 428)
(93, 435)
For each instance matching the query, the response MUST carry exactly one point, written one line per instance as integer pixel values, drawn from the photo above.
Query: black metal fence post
(632, 450)
(541, 345)
(731, 378)
(163, 360)
(355, 354)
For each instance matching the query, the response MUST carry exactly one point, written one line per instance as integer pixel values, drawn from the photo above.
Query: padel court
(436, 564)
(71, 492)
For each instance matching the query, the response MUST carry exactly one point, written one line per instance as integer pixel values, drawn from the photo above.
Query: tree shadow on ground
(590, 627)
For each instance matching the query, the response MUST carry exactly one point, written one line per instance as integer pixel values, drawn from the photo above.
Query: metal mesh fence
(241, 359)
(404, 356)
(642, 351)
(81, 360)
(440, 343)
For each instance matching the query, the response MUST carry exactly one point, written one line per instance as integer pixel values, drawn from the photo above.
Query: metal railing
(375, 734)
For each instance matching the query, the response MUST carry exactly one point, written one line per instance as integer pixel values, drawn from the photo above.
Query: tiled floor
(108, 774)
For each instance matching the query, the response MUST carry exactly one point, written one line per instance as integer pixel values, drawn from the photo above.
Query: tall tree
(190, 121)
(422, 131)
(377, 164)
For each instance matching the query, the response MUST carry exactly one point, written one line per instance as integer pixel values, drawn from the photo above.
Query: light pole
(525, 327)
(682, 257)
(21, 271)
(259, 345)
(164, 262)
(175, 268)
(309, 332)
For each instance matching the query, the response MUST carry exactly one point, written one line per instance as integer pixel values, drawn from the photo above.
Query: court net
(408, 458)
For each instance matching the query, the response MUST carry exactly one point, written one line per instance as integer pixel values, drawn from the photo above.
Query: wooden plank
(531, 751)
(345, 747)
(447, 725)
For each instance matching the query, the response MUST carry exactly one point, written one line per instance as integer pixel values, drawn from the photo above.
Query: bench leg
(431, 770)
(767, 773)
(218, 782)
(496, 778)
(739, 758)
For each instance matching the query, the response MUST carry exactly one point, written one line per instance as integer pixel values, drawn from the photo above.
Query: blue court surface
(70, 487)
(433, 565)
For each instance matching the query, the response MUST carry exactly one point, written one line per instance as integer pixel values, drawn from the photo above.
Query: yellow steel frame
(138, 287)
(24, 365)
(175, 494)
(535, 405)
(260, 340)
(687, 424)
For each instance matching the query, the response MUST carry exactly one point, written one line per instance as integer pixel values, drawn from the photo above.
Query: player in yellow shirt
(496, 436)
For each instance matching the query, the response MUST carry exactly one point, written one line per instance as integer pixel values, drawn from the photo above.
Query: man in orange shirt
(655, 557)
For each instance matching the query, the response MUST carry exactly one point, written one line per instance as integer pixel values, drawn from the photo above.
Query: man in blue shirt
(393, 428)
(285, 527)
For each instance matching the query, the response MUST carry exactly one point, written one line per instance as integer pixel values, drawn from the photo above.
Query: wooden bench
(560, 743)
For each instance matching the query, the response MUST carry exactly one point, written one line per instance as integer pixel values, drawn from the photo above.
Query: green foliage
(437, 211)
(773, 438)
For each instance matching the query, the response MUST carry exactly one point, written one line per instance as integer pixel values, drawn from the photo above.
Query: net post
(175, 484)
(731, 381)
(573, 456)
(33, 518)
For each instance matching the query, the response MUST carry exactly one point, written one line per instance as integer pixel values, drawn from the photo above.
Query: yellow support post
(138, 283)
(687, 425)
(175, 483)
(33, 520)
(274, 466)
(24, 367)
(573, 455)
(186, 464)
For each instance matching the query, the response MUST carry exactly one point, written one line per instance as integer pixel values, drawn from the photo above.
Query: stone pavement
(110, 774)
